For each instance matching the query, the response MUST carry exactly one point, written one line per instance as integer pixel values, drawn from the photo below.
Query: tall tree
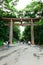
(8, 7)
(34, 9)
(4, 31)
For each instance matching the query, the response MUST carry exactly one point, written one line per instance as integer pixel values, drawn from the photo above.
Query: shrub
(1, 43)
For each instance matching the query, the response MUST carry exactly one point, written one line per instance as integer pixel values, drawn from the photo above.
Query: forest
(32, 10)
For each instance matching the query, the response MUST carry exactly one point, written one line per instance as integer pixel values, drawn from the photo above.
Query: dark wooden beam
(22, 24)
(19, 19)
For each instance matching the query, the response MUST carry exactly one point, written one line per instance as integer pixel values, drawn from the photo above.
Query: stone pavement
(22, 55)
(5, 51)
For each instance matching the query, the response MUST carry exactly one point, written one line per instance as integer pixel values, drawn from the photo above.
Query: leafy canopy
(7, 8)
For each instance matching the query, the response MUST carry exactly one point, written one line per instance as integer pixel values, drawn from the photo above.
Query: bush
(14, 41)
(1, 43)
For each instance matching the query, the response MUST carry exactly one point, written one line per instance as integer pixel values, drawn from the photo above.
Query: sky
(21, 29)
(22, 3)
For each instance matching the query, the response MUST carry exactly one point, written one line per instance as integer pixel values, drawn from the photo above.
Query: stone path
(22, 55)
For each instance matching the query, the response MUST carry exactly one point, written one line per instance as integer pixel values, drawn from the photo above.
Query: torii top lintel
(21, 19)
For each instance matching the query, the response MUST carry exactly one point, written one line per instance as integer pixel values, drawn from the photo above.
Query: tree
(38, 32)
(34, 9)
(27, 34)
(16, 32)
(8, 8)
(4, 31)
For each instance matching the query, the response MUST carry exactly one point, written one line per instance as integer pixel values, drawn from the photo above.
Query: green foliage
(30, 11)
(1, 43)
(27, 34)
(7, 1)
(40, 22)
(38, 34)
(33, 9)
(8, 15)
(16, 32)
(8, 10)
(4, 31)
(14, 41)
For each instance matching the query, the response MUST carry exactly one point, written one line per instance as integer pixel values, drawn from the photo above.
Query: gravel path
(23, 55)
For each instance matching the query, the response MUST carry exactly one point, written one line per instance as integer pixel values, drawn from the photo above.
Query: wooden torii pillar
(11, 32)
(32, 32)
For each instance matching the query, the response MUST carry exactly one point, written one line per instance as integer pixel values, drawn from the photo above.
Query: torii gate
(31, 20)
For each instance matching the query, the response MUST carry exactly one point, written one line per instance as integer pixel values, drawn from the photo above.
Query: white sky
(22, 29)
(22, 3)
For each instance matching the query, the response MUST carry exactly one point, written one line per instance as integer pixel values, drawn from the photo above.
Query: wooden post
(11, 31)
(32, 32)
